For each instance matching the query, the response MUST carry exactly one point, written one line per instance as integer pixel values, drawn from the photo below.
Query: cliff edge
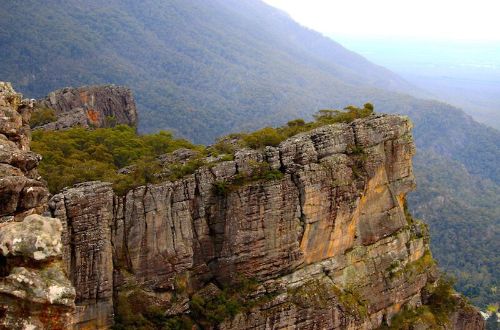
(311, 234)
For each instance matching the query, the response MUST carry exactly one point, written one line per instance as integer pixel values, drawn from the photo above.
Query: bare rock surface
(90, 106)
(35, 292)
(36, 237)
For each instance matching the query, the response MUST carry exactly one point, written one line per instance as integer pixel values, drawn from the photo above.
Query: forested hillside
(206, 68)
(200, 68)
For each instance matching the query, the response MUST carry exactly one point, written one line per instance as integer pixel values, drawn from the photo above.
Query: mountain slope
(181, 56)
(205, 68)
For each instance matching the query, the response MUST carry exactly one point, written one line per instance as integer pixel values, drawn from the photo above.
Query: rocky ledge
(319, 239)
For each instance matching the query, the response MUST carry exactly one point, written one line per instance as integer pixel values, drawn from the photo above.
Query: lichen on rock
(36, 237)
(35, 292)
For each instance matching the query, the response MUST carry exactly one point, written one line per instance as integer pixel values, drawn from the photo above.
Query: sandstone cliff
(322, 241)
(90, 106)
(34, 290)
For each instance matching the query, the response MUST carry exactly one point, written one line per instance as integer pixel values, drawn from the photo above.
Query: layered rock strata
(90, 106)
(35, 292)
(324, 234)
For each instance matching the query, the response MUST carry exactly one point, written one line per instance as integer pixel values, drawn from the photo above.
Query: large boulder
(37, 237)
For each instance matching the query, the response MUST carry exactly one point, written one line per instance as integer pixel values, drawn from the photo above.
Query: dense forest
(203, 69)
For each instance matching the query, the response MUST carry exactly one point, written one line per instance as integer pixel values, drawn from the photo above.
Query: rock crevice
(333, 222)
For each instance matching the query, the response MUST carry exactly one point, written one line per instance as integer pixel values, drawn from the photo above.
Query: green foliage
(434, 313)
(319, 294)
(357, 150)
(264, 137)
(221, 188)
(157, 49)
(110, 121)
(128, 314)
(352, 301)
(336, 116)
(313, 293)
(369, 106)
(421, 265)
(230, 301)
(79, 155)
(215, 310)
(442, 300)
(134, 310)
(259, 171)
(42, 116)
(180, 170)
(463, 213)
(223, 147)
(270, 136)
(296, 123)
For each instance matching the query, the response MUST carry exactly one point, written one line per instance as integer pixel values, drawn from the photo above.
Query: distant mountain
(463, 73)
(203, 68)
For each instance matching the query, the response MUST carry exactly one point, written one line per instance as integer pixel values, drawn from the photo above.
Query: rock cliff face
(324, 241)
(90, 106)
(34, 290)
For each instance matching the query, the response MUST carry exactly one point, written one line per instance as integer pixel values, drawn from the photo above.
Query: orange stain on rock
(93, 115)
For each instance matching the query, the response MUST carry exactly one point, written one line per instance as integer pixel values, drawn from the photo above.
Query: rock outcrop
(35, 292)
(90, 106)
(323, 237)
(88, 212)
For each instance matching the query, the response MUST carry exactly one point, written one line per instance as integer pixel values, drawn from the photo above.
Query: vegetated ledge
(310, 233)
(121, 156)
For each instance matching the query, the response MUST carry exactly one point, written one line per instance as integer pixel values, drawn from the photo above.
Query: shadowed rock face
(90, 106)
(35, 292)
(333, 223)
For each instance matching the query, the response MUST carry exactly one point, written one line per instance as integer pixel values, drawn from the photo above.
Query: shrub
(352, 301)
(270, 136)
(267, 136)
(434, 314)
(78, 155)
(296, 123)
(42, 116)
(230, 301)
(178, 171)
(221, 188)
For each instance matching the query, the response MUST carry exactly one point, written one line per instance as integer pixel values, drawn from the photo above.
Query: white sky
(436, 19)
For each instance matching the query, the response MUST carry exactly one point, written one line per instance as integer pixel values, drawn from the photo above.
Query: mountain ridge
(208, 68)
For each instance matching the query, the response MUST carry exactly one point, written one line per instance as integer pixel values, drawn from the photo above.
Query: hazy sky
(437, 19)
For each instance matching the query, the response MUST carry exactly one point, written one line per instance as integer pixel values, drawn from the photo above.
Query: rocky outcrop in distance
(90, 106)
(325, 239)
(35, 292)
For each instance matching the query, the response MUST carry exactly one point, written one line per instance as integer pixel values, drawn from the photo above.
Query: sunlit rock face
(333, 224)
(35, 292)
